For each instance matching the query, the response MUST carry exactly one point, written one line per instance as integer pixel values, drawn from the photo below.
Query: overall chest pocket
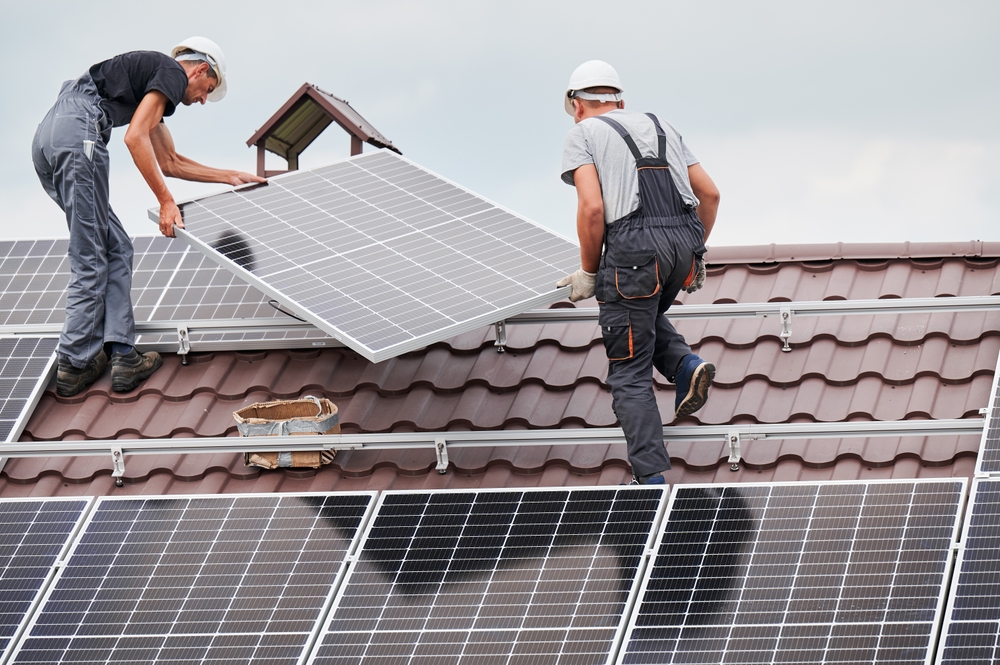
(637, 275)
(616, 331)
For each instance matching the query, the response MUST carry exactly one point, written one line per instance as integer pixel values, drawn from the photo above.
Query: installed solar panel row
(801, 573)
(380, 253)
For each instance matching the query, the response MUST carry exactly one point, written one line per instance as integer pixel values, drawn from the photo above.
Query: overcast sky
(820, 121)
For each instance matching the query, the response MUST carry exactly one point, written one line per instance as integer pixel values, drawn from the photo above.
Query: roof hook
(786, 328)
(501, 343)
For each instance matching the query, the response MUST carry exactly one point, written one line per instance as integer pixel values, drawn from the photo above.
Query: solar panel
(26, 363)
(197, 579)
(493, 578)
(171, 283)
(33, 537)
(989, 448)
(971, 631)
(380, 253)
(798, 573)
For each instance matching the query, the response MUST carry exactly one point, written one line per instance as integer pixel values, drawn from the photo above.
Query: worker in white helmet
(645, 209)
(70, 155)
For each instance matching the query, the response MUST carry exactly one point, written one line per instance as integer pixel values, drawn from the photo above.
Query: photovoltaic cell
(33, 536)
(492, 578)
(798, 573)
(380, 253)
(989, 449)
(196, 580)
(972, 621)
(25, 366)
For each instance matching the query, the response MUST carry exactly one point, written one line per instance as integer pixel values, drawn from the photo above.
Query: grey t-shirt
(593, 141)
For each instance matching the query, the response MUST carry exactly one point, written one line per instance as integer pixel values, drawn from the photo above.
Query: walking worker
(645, 209)
(70, 155)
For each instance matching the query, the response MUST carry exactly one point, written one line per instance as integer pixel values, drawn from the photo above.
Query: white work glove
(582, 283)
(699, 278)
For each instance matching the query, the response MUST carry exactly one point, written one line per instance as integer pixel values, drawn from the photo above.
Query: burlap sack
(309, 415)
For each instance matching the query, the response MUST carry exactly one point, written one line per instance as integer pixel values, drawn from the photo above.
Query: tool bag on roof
(309, 415)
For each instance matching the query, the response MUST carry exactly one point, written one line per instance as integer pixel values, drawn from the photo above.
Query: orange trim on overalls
(655, 291)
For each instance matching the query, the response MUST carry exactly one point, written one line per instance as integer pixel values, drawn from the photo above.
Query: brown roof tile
(861, 367)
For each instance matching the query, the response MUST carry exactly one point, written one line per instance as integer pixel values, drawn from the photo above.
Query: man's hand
(582, 283)
(170, 216)
(698, 280)
(237, 178)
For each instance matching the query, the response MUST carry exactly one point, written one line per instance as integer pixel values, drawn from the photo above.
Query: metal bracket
(183, 343)
(118, 462)
(501, 328)
(441, 448)
(983, 411)
(786, 328)
(733, 439)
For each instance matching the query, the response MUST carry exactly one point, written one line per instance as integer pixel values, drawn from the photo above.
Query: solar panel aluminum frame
(94, 507)
(44, 590)
(419, 342)
(633, 594)
(29, 406)
(942, 595)
(992, 419)
(956, 568)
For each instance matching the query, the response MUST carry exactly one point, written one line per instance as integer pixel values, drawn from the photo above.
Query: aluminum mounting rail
(733, 435)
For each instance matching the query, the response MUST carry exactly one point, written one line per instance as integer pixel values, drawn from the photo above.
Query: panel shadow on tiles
(196, 579)
(33, 536)
(798, 573)
(24, 366)
(493, 578)
(972, 622)
(382, 254)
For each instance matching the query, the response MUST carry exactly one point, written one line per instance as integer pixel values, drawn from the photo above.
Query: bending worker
(70, 154)
(645, 199)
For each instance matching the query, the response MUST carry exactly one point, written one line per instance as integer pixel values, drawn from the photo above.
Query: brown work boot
(130, 369)
(71, 381)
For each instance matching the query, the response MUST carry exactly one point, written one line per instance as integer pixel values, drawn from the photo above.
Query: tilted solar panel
(380, 253)
(541, 577)
(989, 448)
(972, 622)
(196, 579)
(798, 573)
(33, 536)
(26, 363)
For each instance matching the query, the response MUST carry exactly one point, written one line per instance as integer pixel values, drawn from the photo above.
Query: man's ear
(577, 110)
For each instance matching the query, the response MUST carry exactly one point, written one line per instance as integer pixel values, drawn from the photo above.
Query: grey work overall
(647, 256)
(71, 159)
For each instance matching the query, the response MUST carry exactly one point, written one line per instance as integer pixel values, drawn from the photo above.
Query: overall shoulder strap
(624, 134)
(661, 137)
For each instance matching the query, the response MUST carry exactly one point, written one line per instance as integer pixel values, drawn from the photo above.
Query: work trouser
(70, 155)
(647, 257)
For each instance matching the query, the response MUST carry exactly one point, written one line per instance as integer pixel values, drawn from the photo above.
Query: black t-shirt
(125, 79)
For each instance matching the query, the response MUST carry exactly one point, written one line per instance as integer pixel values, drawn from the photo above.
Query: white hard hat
(592, 74)
(216, 60)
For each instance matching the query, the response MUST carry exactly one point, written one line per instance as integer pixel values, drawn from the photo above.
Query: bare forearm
(179, 166)
(590, 229)
(141, 149)
(707, 211)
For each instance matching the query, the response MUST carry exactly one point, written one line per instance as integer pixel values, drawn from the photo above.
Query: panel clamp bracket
(183, 343)
(441, 448)
(118, 464)
(501, 342)
(786, 328)
(733, 439)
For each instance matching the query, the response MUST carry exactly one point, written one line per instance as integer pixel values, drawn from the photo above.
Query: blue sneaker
(692, 381)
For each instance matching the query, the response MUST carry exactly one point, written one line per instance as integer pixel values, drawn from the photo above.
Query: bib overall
(70, 155)
(647, 256)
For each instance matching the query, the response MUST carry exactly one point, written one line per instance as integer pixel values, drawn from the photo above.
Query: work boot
(71, 381)
(692, 381)
(130, 369)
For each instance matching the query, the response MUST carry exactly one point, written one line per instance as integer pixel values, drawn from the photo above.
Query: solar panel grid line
(971, 626)
(876, 599)
(197, 579)
(476, 577)
(26, 366)
(35, 535)
(988, 463)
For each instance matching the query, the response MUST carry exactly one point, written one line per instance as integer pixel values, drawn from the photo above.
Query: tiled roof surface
(841, 368)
